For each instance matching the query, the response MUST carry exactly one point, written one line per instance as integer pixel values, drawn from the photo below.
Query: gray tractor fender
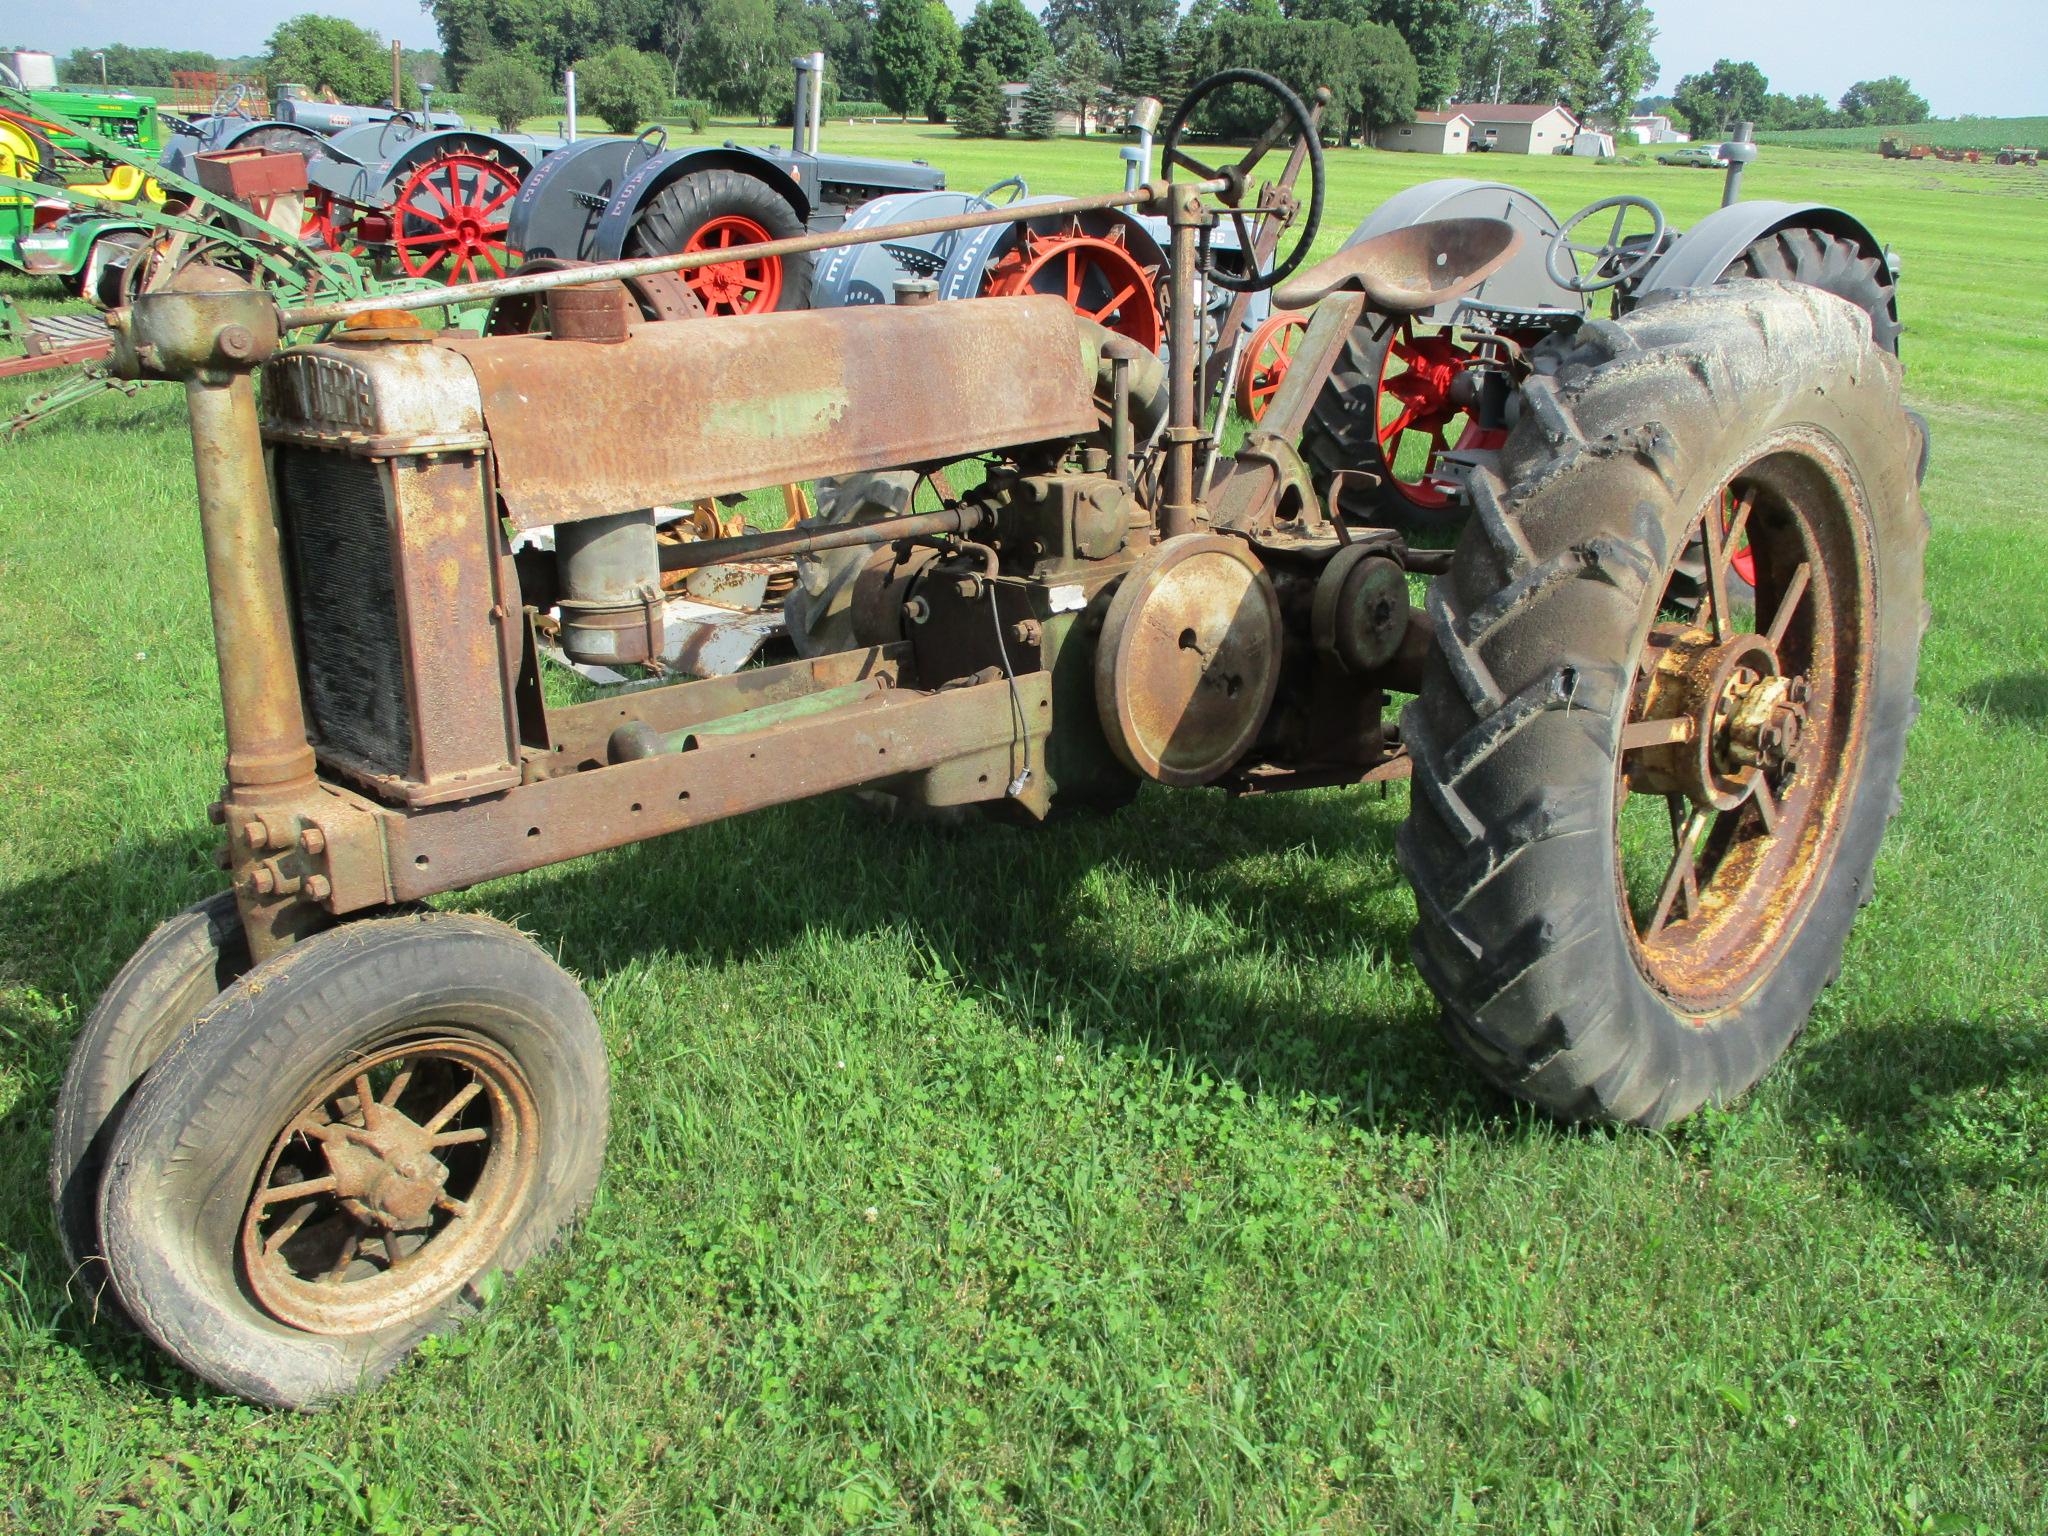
(429, 146)
(1698, 257)
(1524, 285)
(652, 176)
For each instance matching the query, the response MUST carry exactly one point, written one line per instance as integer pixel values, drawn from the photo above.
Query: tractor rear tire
(687, 205)
(1831, 264)
(1513, 841)
(292, 1287)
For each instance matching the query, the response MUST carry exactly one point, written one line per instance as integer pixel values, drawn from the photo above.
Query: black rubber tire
(1342, 433)
(180, 968)
(682, 207)
(1509, 841)
(284, 139)
(1831, 264)
(184, 1161)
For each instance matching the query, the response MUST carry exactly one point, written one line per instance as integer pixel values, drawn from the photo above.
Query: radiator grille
(338, 533)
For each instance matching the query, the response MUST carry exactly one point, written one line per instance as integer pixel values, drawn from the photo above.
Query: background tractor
(312, 1112)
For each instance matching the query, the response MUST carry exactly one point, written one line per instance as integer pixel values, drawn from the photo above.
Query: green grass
(1113, 1176)
(1992, 133)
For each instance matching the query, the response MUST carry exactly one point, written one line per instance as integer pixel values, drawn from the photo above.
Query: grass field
(1950, 133)
(1113, 1176)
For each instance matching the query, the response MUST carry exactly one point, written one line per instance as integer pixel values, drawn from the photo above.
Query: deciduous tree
(917, 54)
(1890, 100)
(1005, 35)
(326, 53)
(622, 87)
(507, 90)
(1730, 92)
(1567, 60)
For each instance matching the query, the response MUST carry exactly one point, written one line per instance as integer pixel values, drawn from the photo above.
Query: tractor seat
(124, 184)
(1406, 271)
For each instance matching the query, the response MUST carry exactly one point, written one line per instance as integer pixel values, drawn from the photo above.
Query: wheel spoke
(1717, 567)
(511, 189)
(458, 1138)
(1788, 605)
(323, 1185)
(364, 1097)
(453, 1206)
(349, 1247)
(392, 1256)
(292, 1223)
(1680, 879)
(1766, 803)
(1675, 731)
(453, 1107)
(1397, 426)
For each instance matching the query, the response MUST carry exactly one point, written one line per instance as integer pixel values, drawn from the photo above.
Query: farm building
(1655, 128)
(1518, 129)
(1448, 132)
(1063, 121)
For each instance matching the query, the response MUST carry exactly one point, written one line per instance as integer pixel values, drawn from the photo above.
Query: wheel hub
(1728, 713)
(385, 1171)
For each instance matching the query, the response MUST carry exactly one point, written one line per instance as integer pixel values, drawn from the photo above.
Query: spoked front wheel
(316, 1176)
(1644, 815)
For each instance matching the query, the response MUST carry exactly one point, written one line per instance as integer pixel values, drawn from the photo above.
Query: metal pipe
(1738, 151)
(569, 104)
(1177, 508)
(801, 540)
(795, 245)
(252, 637)
(800, 107)
(817, 96)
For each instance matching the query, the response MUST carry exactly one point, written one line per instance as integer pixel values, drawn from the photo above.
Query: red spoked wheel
(1097, 275)
(1422, 414)
(1268, 356)
(743, 286)
(448, 221)
(335, 224)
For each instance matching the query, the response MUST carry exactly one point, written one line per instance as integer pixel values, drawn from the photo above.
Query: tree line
(1080, 61)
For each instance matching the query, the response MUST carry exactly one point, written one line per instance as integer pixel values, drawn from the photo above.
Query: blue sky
(1985, 56)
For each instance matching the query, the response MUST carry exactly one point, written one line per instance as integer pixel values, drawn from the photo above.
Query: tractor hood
(683, 410)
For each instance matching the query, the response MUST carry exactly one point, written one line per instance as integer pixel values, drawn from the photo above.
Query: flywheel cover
(1189, 659)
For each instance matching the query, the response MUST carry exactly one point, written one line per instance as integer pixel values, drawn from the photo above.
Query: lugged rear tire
(1831, 264)
(1512, 843)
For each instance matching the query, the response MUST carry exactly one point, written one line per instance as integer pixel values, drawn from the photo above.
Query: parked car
(1705, 156)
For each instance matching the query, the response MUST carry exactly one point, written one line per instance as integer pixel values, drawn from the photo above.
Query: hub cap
(738, 287)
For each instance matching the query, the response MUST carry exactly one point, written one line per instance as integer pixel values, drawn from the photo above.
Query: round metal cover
(867, 274)
(558, 207)
(1189, 659)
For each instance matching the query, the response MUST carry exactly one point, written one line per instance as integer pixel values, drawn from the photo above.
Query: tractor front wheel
(321, 1169)
(1643, 817)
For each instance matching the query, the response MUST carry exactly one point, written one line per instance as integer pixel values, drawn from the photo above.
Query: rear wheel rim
(750, 286)
(1418, 421)
(1746, 721)
(365, 1218)
(1096, 274)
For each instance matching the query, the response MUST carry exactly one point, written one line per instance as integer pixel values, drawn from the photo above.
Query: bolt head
(263, 881)
(236, 341)
(257, 833)
(317, 887)
(313, 840)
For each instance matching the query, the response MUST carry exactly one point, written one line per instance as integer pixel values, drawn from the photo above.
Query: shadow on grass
(1945, 1119)
(1017, 916)
(2017, 697)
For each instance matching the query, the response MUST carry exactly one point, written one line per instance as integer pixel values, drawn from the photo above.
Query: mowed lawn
(1113, 1176)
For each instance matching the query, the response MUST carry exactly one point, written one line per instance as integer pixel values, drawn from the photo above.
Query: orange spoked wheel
(743, 286)
(1096, 274)
(448, 221)
(1268, 356)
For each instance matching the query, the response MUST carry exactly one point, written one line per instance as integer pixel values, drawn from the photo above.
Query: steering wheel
(1294, 121)
(1615, 261)
(229, 102)
(1016, 186)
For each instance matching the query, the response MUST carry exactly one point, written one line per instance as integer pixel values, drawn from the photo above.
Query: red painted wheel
(1268, 356)
(1420, 415)
(448, 220)
(1096, 274)
(746, 286)
(335, 224)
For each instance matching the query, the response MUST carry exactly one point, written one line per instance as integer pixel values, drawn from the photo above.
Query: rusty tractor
(311, 1112)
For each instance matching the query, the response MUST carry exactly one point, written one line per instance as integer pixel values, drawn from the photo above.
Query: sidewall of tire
(702, 195)
(196, 1136)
